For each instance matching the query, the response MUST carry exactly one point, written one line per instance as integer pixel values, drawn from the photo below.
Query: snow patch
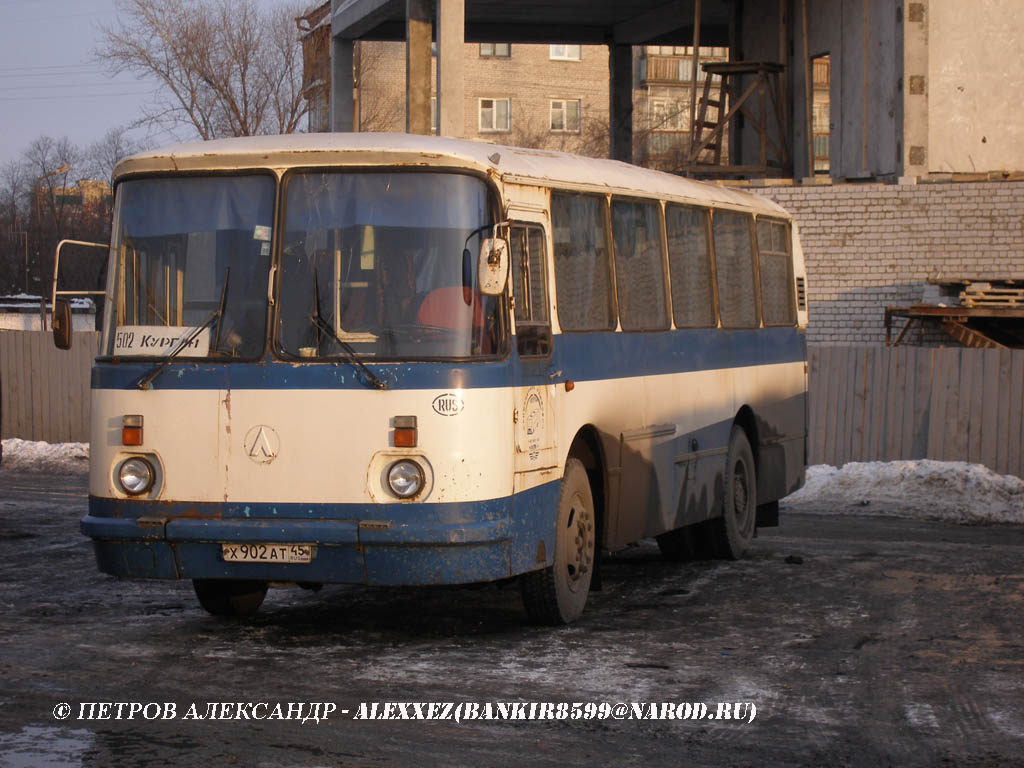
(924, 489)
(33, 456)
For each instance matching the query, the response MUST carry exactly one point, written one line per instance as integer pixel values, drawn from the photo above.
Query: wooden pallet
(989, 295)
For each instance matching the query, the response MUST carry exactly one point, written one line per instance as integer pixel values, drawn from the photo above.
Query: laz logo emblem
(448, 404)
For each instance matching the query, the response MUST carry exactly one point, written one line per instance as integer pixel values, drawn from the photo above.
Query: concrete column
(451, 34)
(418, 33)
(342, 83)
(620, 101)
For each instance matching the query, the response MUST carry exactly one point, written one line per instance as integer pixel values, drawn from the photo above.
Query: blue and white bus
(405, 360)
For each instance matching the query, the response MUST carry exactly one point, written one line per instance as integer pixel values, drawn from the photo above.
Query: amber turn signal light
(131, 430)
(405, 431)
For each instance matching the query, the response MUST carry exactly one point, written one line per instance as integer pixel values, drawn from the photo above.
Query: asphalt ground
(861, 641)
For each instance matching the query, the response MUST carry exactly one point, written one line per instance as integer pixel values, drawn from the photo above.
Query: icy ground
(922, 489)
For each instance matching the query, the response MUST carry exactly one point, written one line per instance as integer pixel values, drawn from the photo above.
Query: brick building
(552, 96)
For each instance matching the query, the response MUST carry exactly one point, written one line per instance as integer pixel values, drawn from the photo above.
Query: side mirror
(61, 324)
(492, 266)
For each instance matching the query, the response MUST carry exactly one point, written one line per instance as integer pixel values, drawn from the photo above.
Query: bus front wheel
(556, 595)
(230, 597)
(734, 530)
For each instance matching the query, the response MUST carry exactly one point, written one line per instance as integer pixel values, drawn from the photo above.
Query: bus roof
(510, 164)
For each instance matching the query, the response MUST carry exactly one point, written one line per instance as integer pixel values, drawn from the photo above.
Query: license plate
(267, 553)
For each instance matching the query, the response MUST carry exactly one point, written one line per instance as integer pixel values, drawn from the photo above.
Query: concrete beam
(656, 23)
(620, 101)
(451, 26)
(419, 31)
(354, 18)
(342, 85)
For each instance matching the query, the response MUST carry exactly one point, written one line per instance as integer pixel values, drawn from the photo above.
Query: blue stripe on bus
(578, 356)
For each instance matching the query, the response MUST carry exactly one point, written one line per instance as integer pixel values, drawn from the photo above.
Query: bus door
(535, 432)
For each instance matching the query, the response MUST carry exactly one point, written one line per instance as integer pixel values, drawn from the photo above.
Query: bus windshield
(188, 251)
(374, 262)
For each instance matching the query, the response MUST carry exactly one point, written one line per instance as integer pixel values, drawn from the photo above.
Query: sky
(50, 82)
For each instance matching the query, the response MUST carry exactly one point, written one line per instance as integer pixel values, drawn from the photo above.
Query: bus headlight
(405, 478)
(136, 476)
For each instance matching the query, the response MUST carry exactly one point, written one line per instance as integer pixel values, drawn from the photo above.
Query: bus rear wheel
(556, 595)
(230, 597)
(734, 530)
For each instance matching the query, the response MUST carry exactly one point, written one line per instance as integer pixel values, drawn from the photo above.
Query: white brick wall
(868, 246)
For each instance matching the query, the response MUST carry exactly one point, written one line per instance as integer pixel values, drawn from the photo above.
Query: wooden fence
(866, 403)
(45, 390)
(880, 404)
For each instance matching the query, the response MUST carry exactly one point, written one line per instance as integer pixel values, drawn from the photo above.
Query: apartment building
(543, 96)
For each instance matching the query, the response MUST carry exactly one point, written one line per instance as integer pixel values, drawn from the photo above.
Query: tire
(734, 530)
(230, 597)
(557, 595)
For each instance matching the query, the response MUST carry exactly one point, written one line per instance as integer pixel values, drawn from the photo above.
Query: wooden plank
(816, 379)
(86, 347)
(1013, 453)
(879, 389)
(870, 402)
(960, 444)
(850, 374)
(894, 409)
(842, 405)
(23, 403)
(81, 396)
(952, 366)
(977, 405)
(990, 410)
(7, 374)
(1005, 390)
(908, 358)
(922, 402)
(41, 395)
(936, 407)
(33, 400)
(60, 378)
(830, 360)
(856, 444)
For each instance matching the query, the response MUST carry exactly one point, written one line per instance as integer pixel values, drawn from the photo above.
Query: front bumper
(394, 544)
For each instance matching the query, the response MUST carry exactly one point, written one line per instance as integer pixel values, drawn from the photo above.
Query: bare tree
(224, 67)
(106, 153)
(14, 202)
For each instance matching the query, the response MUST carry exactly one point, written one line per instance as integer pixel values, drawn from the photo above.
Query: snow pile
(28, 455)
(924, 489)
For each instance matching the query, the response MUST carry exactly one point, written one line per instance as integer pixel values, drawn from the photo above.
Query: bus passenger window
(639, 267)
(582, 271)
(529, 286)
(774, 259)
(689, 257)
(734, 263)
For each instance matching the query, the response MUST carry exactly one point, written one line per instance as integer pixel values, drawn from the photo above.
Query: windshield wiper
(351, 357)
(217, 314)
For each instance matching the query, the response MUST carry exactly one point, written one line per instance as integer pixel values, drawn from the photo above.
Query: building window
(668, 115)
(566, 52)
(495, 50)
(493, 115)
(565, 116)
